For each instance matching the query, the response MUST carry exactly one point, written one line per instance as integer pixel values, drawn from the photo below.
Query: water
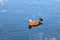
(14, 16)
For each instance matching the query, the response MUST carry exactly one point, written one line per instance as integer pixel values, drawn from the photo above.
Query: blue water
(14, 22)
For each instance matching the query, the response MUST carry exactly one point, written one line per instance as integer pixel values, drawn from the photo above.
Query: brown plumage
(34, 22)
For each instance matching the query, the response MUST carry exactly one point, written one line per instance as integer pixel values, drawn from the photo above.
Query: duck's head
(30, 20)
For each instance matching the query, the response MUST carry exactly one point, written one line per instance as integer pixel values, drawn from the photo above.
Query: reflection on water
(40, 36)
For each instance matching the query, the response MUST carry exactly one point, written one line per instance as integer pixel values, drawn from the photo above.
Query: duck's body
(34, 22)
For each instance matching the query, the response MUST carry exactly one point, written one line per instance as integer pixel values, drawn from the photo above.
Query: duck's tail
(40, 19)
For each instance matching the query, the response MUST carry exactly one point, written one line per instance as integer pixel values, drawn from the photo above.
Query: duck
(33, 23)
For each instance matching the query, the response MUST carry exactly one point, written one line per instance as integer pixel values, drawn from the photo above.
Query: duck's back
(34, 22)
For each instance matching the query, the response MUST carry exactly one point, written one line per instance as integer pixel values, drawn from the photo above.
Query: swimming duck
(32, 23)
